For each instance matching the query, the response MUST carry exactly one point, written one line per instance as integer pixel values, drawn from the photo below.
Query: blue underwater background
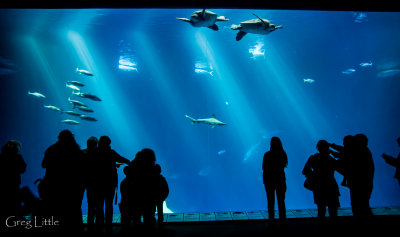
(150, 70)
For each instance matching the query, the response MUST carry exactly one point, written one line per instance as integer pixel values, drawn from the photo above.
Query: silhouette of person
(147, 186)
(322, 167)
(344, 154)
(141, 189)
(105, 179)
(91, 145)
(131, 204)
(64, 181)
(12, 165)
(127, 192)
(394, 162)
(163, 191)
(274, 162)
(361, 176)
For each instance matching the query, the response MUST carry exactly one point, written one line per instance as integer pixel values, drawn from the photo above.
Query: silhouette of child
(162, 195)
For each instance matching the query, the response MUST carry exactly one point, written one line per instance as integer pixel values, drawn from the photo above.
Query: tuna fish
(36, 94)
(84, 72)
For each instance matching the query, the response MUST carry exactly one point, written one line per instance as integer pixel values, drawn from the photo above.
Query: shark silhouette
(209, 121)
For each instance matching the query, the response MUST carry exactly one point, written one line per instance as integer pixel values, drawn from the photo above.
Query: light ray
(244, 118)
(113, 105)
(45, 67)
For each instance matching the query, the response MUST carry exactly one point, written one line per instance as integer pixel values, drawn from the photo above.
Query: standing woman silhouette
(274, 162)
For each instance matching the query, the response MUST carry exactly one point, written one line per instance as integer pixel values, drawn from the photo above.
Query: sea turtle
(254, 26)
(204, 18)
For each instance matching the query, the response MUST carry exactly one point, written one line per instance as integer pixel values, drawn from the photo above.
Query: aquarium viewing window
(207, 97)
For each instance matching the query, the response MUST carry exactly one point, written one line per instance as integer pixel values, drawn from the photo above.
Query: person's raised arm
(391, 160)
(118, 158)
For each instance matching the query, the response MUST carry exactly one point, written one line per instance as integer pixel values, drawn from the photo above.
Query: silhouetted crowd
(353, 160)
(71, 171)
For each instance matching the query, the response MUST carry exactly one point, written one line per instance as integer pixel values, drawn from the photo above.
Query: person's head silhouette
(92, 143)
(276, 144)
(323, 147)
(104, 142)
(148, 157)
(362, 140)
(65, 136)
(11, 147)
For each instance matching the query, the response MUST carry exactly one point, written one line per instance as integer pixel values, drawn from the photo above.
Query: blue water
(144, 64)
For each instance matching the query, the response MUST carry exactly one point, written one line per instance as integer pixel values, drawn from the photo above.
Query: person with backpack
(321, 167)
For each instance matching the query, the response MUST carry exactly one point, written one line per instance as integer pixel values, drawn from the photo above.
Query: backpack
(43, 188)
(164, 190)
(309, 183)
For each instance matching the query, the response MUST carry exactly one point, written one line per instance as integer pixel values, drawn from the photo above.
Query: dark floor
(377, 225)
(385, 222)
(256, 215)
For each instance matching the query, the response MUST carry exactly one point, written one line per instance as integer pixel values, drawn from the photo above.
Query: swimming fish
(88, 118)
(73, 113)
(87, 96)
(366, 64)
(84, 108)
(36, 94)
(70, 121)
(209, 121)
(72, 87)
(75, 83)
(84, 72)
(349, 71)
(221, 152)
(76, 103)
(308, 80)
(54, 108)
(202, 71)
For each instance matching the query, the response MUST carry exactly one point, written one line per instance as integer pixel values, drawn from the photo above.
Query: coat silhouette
(345, 154)
(141, 190)
(321, 167)
(12, 165)
(63, 181)
(91, 145)
(163, 192)
(104, 180)
(274, 163)
(360, 174)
